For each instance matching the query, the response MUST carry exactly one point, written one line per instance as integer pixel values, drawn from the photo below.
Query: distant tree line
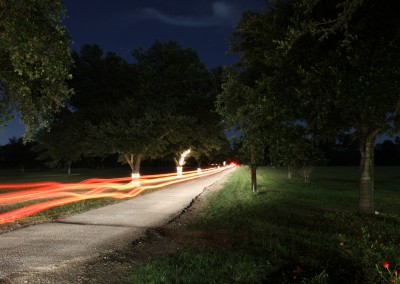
(344, 152)
(19, 155)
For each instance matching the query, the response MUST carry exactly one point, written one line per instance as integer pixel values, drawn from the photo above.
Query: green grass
(290, 232)
(60, 175)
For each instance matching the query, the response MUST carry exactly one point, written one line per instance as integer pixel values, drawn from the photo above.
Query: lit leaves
(34, 59)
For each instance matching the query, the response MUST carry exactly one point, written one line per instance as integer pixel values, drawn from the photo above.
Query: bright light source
(179, 171)
(183, 157)
(181, 162)
(198, 170)
(135, 179)
(135, 175)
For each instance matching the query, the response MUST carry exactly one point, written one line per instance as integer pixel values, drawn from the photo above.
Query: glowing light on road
(57, 194)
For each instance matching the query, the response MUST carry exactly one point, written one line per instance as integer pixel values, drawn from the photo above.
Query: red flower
(386, 264)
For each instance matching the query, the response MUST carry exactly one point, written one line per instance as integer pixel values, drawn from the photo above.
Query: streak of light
(66, 193)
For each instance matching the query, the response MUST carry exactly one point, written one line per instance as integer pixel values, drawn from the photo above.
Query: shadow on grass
(300, 242)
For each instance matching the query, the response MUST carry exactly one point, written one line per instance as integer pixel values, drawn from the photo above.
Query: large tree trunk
(366, 198)
(136, 168)
(134, 163)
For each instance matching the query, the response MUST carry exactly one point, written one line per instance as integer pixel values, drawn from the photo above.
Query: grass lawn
(290, 232)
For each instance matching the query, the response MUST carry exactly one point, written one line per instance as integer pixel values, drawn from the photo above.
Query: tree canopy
(327, 65)
(34, 61)
(146, 110)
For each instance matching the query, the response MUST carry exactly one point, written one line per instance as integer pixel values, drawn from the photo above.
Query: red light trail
(66, 193)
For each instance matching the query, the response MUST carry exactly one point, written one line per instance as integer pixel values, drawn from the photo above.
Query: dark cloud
(222, 14)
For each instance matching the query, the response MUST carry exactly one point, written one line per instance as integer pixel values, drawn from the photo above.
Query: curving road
(85, 235)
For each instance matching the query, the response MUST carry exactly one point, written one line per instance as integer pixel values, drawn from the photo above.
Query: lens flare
(56, 194)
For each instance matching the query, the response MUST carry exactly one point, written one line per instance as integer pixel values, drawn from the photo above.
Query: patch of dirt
(116, 266)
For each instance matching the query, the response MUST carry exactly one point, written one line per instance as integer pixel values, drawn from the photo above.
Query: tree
(17, 154)
(206, 136)
(64, 143)
(332, 65)
(295, 149)
(34, 61)
(342, 150)
(136, 138)
(99, 82)
(388, 153)
(361, 60)
(147, 109)
(176, 85)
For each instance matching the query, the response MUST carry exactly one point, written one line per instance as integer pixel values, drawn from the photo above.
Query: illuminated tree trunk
(69, 168)
(366, 197)
(133, 162)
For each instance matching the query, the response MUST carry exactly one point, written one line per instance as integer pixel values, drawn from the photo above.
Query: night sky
(123, 25)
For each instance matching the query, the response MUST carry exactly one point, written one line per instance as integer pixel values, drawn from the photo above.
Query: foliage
(17, 154)
(140, 111)
(176, 83)
(34, 61)
(329, 65)
(63, 144)
(388, 153)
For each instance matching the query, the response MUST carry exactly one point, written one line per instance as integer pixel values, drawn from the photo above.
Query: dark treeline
(345, 152)
(144, 113)
(22, 156)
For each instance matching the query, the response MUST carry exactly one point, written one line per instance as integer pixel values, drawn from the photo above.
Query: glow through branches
(52, 194)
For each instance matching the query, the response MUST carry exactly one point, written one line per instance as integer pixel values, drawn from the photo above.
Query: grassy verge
(290, 232)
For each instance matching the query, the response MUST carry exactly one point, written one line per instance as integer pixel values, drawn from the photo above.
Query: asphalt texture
(88, 234)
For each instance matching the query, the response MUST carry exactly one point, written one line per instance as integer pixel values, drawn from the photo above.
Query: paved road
(85, 235)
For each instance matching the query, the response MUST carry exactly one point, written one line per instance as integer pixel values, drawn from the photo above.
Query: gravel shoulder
(116, 266)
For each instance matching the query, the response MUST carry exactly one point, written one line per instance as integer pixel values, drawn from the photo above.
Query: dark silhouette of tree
(330, 65)
(17, 154)
(388, 153)
(140, 111)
